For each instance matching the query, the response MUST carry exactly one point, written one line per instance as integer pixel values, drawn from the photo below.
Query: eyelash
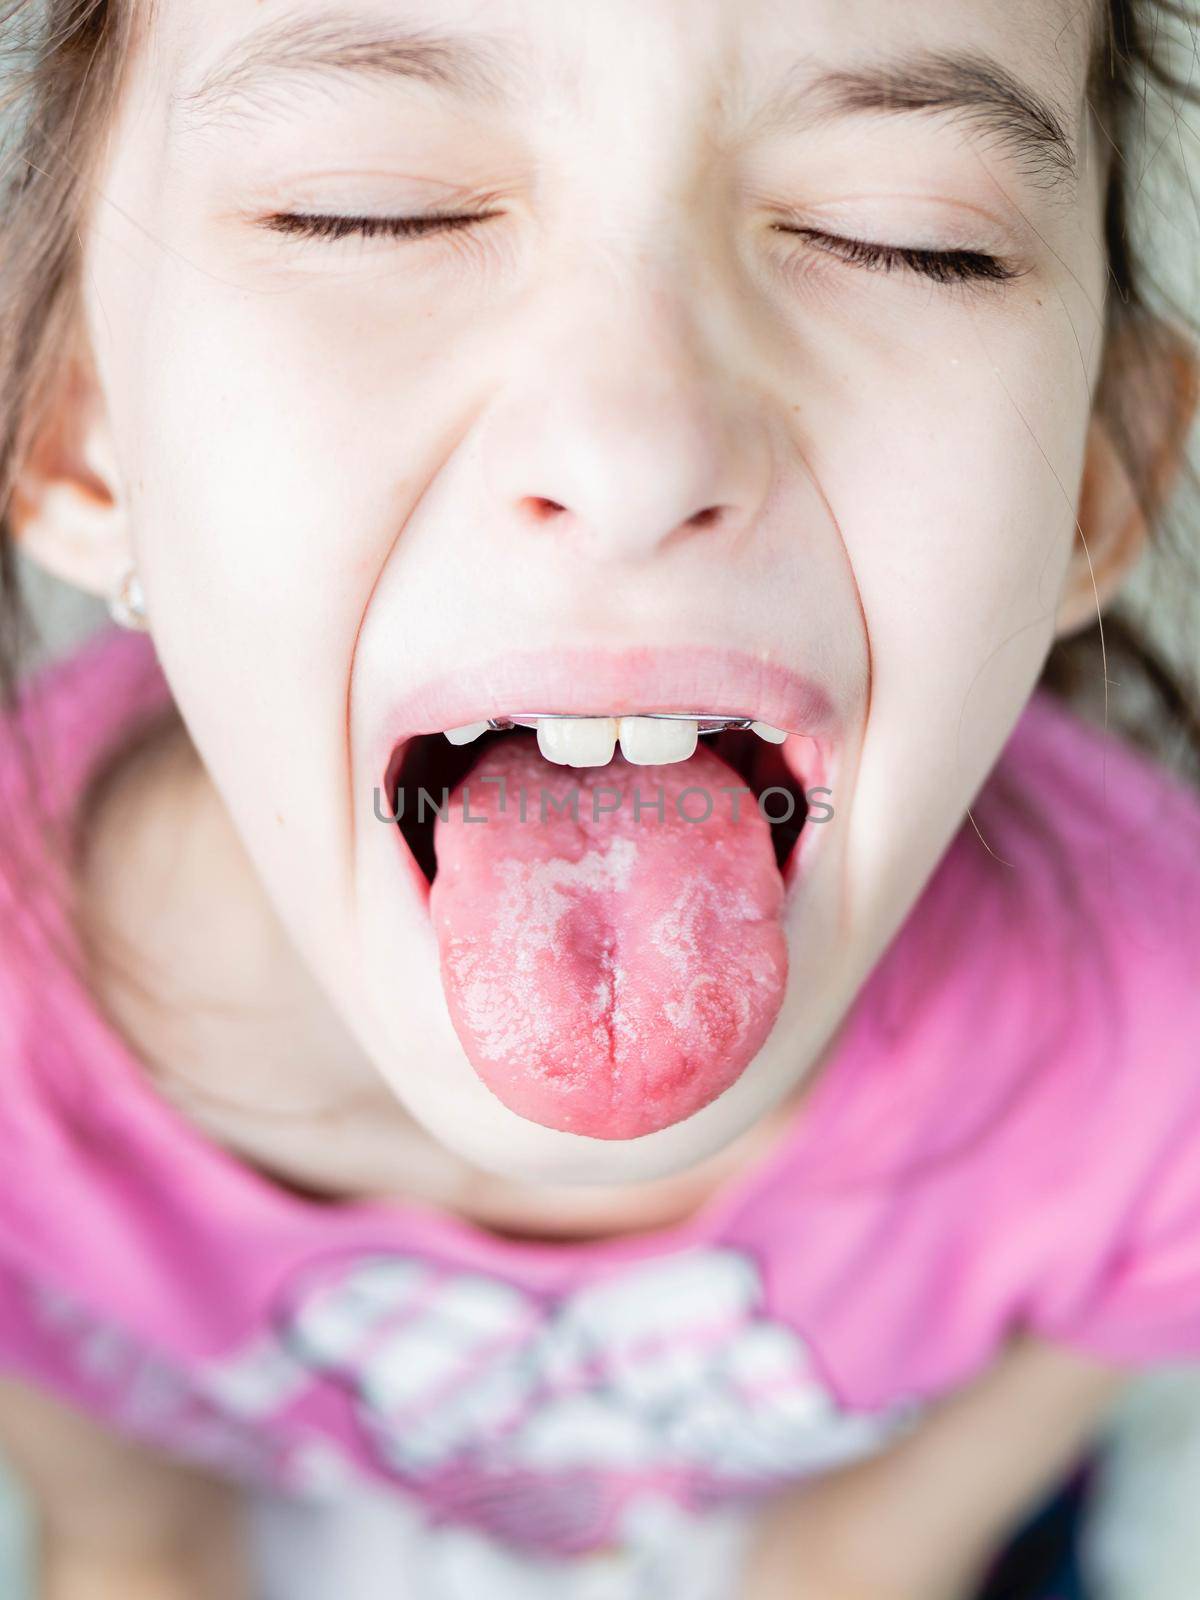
(308, 226)
(941, 266)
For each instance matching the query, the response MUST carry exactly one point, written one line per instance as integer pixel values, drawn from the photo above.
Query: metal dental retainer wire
(530, 719)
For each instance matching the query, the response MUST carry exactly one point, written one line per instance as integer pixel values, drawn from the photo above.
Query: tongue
(610, 964)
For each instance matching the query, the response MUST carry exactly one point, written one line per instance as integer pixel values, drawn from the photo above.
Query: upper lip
(614, 683)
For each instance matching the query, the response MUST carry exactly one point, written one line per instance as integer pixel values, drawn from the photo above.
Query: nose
(628, 428)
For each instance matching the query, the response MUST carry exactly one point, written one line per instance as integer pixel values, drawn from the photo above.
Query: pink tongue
(607, 974)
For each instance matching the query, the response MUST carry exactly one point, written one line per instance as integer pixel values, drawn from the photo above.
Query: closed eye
(308, 225)
(942, 266)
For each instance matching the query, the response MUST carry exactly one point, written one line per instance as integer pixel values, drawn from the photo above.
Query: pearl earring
(128, 605)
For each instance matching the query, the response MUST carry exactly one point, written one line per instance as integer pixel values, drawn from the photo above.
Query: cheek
(955, 489)
(272, 463)
(960, 531)
(278, 446)
(296, 446)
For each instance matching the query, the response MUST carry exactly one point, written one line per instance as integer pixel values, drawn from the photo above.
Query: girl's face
(759, 382)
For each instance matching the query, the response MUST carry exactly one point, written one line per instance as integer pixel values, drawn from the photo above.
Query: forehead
(714, 56)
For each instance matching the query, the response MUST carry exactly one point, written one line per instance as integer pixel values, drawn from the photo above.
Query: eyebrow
(486, 71)
(975, 88)
(481, 69)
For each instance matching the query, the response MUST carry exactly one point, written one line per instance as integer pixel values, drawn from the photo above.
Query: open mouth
(607, 888)
(427, 769)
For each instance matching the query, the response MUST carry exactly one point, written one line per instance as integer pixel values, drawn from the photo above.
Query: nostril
(542, 509)
(705, 518)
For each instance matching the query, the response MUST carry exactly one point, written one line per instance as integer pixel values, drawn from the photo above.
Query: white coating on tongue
(609, 975)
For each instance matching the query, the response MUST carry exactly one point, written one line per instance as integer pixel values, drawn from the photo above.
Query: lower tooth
(655, 741)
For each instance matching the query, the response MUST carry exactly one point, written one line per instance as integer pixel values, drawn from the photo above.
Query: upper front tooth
(654, 741)
(464, 735)
(764, 730)
(577, 741)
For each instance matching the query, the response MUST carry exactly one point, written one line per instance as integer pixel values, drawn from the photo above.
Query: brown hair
(66, 59)
(1136, 84)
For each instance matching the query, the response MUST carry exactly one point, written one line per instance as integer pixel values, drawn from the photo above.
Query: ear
(68, 512)
(1113, 524)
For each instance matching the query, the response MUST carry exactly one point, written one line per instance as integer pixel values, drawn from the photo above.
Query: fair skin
(241, 394)
(326, 456)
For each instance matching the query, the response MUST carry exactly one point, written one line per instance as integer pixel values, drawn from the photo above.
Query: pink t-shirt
(1007, 1137)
